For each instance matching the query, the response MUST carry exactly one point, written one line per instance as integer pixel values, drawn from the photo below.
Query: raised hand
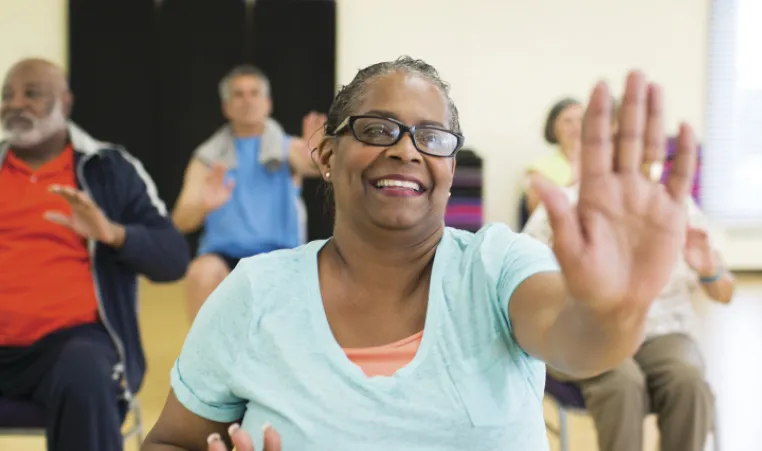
(698, 253)
(217, 190)
(312, 128)
(86, 219)
(619, 245)
(242, 440)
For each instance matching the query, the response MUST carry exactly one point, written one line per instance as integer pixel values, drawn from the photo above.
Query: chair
(568, 398)
(28, 419)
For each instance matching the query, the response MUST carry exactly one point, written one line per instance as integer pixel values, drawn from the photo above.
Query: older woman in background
(563, 128)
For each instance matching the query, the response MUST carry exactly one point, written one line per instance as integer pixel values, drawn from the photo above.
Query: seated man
(242, 185)
(80, 220)
(666, 375)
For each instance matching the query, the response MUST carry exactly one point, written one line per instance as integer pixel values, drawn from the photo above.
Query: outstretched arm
(616, 248)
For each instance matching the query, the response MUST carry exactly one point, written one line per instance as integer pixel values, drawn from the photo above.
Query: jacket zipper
(120, 368)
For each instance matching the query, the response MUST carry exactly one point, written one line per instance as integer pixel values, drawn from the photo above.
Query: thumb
(567, 236)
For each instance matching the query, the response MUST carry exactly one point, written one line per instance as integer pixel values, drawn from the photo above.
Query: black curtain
(294, 43)
(198, 42)
(145, 74)
(112, 75)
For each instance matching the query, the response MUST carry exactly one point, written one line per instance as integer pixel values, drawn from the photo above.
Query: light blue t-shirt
(262, 214)
(261, 348)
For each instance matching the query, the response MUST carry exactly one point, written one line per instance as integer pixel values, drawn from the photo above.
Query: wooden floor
(732, 342)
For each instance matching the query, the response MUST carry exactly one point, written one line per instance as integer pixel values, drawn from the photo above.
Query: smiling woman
(399, 333)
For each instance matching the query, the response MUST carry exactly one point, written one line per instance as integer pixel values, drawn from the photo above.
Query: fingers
(217, 174)
(72, 195)
(58, 218)
(596, 157)
(632, 124)
(655, 141)
(680, 177)
(215, 443)
(568, 241)
(241, 439)
(696, 234)
(272, 439)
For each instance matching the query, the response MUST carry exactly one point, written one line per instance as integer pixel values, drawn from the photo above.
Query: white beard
(42, 128)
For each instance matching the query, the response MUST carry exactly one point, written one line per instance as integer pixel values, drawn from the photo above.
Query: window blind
(732, 171)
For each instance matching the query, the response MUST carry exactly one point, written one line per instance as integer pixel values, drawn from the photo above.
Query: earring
(449, 194)
(327, 175)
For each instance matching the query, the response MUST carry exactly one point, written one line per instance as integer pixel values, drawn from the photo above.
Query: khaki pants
(666, 377)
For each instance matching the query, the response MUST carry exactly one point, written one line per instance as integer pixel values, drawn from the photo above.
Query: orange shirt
(387, 359)
(45, 278)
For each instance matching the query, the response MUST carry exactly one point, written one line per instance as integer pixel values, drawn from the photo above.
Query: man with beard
(79, 220)
(242, 184)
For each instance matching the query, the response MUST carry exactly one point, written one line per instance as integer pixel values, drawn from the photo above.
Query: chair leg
(716, 442)
(563, 429)
(138, 423)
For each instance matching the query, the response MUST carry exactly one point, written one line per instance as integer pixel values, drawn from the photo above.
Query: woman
(398, 333)
(563, 129)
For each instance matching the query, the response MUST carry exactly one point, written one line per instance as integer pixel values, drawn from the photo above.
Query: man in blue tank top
(242, 185)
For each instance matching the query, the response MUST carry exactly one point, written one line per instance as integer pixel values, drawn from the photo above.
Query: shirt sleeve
(202, 375)
(510, 258)
(524, 258)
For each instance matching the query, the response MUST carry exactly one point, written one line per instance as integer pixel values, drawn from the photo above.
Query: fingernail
(266, 426)
(233, 429)
(215, 437)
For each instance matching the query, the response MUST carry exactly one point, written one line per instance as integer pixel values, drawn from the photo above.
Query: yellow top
(554, 167)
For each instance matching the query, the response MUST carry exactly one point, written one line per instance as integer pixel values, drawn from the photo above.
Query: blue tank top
(261, 215)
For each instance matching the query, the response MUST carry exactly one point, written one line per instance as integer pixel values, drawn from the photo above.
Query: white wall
(33, 28)
(508, 61)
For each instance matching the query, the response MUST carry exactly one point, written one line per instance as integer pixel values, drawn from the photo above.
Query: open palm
(86, 219)
(619, 245)
(217, 191)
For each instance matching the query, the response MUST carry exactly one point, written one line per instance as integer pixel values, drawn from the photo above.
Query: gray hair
(350, 96)
(242, 70)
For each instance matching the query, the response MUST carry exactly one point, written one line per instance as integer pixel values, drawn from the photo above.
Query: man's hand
(217, 191)
(312, 128)
(242, 440)
(698, 253)
(86, 220)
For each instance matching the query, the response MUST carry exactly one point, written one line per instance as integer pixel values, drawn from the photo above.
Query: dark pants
(70, 374)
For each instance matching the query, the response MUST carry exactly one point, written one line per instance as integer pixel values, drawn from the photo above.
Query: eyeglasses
(385, 132)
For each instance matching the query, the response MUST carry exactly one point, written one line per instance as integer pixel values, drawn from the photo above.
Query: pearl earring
(327, 175)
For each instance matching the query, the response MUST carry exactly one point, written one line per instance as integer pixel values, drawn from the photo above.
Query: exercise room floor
(732, 345)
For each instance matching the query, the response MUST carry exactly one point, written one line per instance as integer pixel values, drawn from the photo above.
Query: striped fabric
(464, 210)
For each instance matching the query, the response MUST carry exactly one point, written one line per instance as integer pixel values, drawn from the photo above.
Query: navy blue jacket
(153, 247)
